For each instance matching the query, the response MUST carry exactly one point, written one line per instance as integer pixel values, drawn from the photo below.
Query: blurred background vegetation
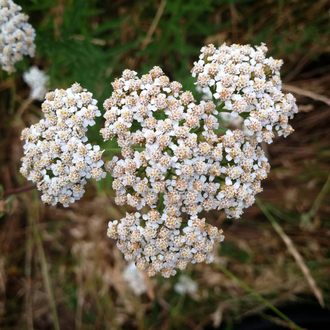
(58, 269)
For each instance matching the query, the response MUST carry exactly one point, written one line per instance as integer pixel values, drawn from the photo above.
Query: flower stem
(17, 191)
(118, 149)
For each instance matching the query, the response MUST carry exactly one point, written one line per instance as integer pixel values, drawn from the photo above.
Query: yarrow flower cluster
(225, 118)
(170, 151)
(16, 35)
(57, 156)
(37, 80)
(175, 161)
(243, 81)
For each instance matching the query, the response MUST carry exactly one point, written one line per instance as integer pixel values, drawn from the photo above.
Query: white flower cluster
(135, 279)
(185, 285)
(160, 246)
(37, 80)
(174, 164)
(245, 82)
(16, 35)
(173, 161)
(57, 157)
(225, 118)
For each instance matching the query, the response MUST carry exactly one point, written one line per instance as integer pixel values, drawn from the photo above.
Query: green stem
(257, 295)
(244, 115)
(221, 106)
(118, 149)
(160, 206)
(17, 191)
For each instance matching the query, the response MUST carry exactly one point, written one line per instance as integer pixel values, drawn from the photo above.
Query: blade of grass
(276, 321)
(28, 261)
(80, 301)
(44, 267)
(304, 92)
(306, 217)
(320, 196)
(257, 295)
(153, 25)
(294, 252)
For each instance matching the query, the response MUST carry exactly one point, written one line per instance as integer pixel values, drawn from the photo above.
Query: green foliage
(233, 252)
(93, 41)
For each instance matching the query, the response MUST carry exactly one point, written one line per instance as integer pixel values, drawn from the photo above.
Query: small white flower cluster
(173, 160)
(160, 246)
(57, 157)
(135, 279)
(37, 80)
(245, 82)
(16, 35)
(185, 285)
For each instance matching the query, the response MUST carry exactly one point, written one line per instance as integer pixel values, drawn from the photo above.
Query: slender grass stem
(294, 252)
(28, 272)
(17, 191)
(43, 261)
(307, 217)
(257, 295)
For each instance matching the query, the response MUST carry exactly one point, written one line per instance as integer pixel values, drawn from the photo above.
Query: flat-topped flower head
(16, 35)
(243, 81)
(177, 166)
(57, 155)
